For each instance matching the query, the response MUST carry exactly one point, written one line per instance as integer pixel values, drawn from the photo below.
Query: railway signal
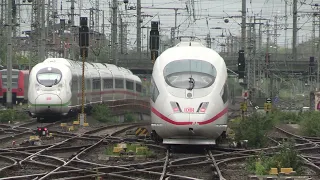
(245, 95)
(83, 44)
(243, 106)
(241, 64)
(42, 131)
(154, 40)
(268, 105)
(268, 100)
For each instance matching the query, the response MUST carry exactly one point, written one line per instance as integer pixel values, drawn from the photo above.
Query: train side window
(154, 91)
(74, 83)
(129, 85)
(138, 87)
(225, 95)
(88, 85)
(108, 83)
(96, 84)
(119, 83)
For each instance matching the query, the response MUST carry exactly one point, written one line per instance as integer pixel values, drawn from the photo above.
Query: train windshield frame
(189, 74)
(49, 76)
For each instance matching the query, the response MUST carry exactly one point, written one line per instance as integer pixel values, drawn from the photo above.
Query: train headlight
(175, 107)
(203, 107)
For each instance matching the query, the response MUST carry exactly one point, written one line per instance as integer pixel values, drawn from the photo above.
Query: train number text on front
(189, 110)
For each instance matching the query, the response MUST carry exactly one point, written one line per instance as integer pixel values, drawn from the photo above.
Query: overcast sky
(195, 22)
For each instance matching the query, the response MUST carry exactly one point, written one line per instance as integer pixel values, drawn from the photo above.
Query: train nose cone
(48, 102)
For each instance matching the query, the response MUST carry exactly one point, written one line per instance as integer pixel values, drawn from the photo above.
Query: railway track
(75, 157)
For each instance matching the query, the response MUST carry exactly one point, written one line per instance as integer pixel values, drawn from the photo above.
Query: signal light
(203, 107)
(45, 129)
(241, 64)
(175, 107)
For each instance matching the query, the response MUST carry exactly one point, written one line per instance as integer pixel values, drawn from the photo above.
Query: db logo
(195, 123)
(48, 98)
(189, 110)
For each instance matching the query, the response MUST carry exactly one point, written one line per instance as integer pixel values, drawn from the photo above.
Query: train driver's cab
(189, 74)
(49, 76)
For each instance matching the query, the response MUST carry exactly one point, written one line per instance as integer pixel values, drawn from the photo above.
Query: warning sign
(243, 106)
(141, 131)
(267, 107)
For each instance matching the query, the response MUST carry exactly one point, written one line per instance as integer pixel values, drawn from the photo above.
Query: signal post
(83, 44)
(243, 105)
(268, 105)
(154, 41)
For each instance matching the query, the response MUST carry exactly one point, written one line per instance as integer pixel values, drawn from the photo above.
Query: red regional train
(20, 82)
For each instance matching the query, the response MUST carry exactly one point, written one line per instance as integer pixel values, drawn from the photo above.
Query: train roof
(190, 51)
(190, 43)
(89, 65)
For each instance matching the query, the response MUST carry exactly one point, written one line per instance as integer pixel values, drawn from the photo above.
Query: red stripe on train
(165, 118)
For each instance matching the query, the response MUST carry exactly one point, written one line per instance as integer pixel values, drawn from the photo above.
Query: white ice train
(189, 101)
(55, 86)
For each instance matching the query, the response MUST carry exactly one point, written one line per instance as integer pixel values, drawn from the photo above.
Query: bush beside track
(286, 157)
(102, 113)
(107, 112)
(254, 127)
(13, 115)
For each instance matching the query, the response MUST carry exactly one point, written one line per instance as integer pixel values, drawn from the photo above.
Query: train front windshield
(189, 74)
(49, 76)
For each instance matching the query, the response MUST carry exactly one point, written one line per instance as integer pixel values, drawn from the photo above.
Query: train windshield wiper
(191, 83)
(54, 83)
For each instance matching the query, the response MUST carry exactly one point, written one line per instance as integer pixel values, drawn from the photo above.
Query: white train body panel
(179, 115)
(48, 97)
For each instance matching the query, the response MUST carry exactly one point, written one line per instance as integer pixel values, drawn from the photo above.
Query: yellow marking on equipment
(286, 170)
(50, 134)
(63, 124)
(71, 128)
(243, 106)
(273, 171)
(85, 124)
(122, 145)
(117, 149)
(34, 138)
(138, 130)
(144, 131)
(267, 107)
(141, 131)
(76, 122)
